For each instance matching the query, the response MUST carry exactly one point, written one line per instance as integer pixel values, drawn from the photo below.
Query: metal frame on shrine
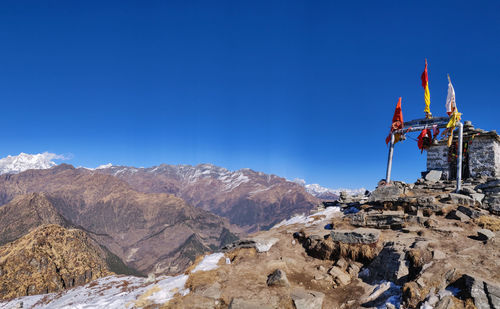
(421, 124)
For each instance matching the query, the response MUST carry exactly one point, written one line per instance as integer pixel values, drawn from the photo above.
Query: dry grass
(419, 257)
(469, 304)
(241, 254)
(201, 278)
(359, 252)
(488, 222)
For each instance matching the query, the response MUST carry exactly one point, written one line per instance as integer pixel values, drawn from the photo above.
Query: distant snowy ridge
(25, 161)
(320, 191)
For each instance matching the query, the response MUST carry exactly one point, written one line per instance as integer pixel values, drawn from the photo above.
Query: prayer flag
(427, 95)
(397, 123)
(450, 99)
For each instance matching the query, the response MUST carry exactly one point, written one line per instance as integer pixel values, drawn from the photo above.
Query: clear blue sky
(301, 89)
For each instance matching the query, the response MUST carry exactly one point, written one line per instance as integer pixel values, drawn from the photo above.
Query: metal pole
(459, 163)
(389, 160)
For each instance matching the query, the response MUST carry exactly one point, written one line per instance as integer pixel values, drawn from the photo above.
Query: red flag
(397, 121)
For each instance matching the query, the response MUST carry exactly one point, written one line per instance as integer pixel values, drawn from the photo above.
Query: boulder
(278, 278)
(478, 197)
(307, 299)
(485, 234)
(356, 236)
(485, 294)
(389, 192)
(490, 186)
(388, 219)
(469, 212)
(244, 243)
(461, 199)
(339, 275)
(467, 191)
(433, 175)
(377, 291)
(457, 215)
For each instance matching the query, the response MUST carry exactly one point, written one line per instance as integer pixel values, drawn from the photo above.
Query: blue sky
(301, 89)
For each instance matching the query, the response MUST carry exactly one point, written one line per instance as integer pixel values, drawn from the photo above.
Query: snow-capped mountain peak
(25, 161)
(326, 193)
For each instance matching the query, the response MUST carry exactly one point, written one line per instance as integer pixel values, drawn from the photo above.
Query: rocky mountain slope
(148, 231)
(252, 200)
(50, 259)
(409, 246)
(25, 213)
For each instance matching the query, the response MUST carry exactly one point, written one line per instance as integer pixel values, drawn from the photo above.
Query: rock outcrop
(50, 259)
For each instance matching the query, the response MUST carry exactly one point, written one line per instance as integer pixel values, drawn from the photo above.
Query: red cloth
(422, 142)
(397, 120)
(425, 77)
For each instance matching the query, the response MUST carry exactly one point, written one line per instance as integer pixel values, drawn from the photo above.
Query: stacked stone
(491, 190)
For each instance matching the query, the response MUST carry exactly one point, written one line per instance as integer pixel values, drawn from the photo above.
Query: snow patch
(313, 219)
(108, 292)
(264, 244)
(209, 262)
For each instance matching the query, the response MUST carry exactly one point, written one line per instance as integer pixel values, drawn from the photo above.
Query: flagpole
(389, 160)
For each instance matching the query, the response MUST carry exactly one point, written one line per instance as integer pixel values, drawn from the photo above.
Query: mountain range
(143, 220)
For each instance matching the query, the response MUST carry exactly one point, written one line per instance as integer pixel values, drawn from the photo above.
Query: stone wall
(484, 157)
(437, 159)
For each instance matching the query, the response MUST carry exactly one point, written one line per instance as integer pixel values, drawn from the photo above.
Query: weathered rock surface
(485, 234)
(389, 265)
(278, 278)
(433, 175)
(385, 220)
(460, 199)
(485, 294)
(306, 299)
(50, 259)
(390, 192)
(356, 236)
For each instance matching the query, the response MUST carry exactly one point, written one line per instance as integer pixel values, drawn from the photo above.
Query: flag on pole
(397, 123)
(450, 99)
(427, 95)
(452, 111)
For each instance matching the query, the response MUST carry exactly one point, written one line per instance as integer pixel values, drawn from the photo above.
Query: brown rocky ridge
(50, 259)
(252, 200)
(150, 232)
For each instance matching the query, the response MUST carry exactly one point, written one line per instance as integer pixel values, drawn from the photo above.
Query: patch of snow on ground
(313, 219)
(264, 244)
(293, 220)
(108, 292)
(209, 262)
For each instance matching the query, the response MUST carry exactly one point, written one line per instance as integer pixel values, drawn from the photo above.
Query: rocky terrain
(50, 259)
(405, 246)
(252, 200)
(150, 232)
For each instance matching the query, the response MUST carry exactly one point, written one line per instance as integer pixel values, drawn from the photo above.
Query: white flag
(450, 99)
